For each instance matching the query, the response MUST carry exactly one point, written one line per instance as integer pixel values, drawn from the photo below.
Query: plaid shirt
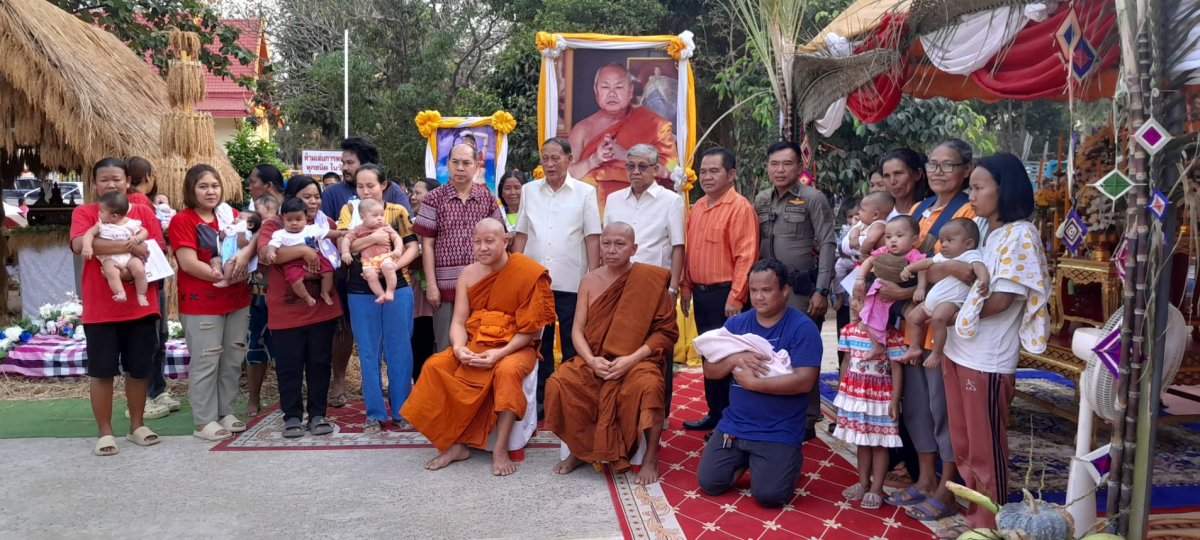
(450, 221)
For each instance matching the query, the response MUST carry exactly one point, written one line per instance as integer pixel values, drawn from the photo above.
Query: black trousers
(158, 381)
(774, 468)
(424, 343)
(564, 309)
(709, 308)
(304, 355)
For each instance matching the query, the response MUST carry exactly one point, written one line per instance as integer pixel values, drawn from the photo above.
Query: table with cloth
(47, 357)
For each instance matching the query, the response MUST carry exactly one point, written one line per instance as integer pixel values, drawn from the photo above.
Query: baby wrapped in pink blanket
(719, 344)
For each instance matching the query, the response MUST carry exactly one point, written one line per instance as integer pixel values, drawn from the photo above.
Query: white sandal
(107, 441)
(213, 432)
(232, 423)
(141, 437)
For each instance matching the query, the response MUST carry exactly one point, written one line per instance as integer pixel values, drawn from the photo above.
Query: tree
(246, 151)
(143, 25)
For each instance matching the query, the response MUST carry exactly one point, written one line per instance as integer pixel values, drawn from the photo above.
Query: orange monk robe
(454, 403)
(601, 420)
(641, 126)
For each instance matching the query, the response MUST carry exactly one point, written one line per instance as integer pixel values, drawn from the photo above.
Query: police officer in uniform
(795, 221)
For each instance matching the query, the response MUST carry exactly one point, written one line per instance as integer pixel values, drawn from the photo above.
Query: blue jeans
(385, 328)
(261, 349)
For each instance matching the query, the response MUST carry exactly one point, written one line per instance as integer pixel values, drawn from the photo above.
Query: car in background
(21, 186)
(68, 190)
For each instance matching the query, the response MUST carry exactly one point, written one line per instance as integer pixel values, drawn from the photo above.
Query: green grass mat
(73, 418)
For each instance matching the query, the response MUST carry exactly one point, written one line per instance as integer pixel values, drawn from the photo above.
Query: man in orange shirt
(722, 245)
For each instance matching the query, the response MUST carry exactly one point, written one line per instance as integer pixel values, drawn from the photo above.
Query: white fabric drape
(838, 47)
(550, 56)
(968, 45)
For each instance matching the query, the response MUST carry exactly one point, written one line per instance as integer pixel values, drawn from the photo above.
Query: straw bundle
(169, 172)
(184, 42)
(82, 94)
(188, 134)
(185, 83)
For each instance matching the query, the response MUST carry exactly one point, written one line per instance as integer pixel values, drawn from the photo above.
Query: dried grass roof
(78, 94)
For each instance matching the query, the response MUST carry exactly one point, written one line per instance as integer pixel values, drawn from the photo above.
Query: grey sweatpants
(217, 345)
(923, 404)
(774, 468)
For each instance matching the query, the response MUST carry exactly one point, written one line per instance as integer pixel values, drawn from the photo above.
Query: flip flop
(231, 423)
(915, 497)
(293, 428)
(853, 493)
(106, 446)
(142, 437)
(372, 426)
(338, 401)
(317, 425)
(920, 514)
(212, 432)
(871, 501)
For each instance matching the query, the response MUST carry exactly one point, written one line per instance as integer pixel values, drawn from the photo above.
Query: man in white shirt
(656, 215)
(559, 227)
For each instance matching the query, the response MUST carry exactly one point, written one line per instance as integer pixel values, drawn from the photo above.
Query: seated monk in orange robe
(602, 400)
(602, 139)
(501, 305)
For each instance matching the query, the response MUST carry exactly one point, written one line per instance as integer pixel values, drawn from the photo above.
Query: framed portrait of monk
(605, 94)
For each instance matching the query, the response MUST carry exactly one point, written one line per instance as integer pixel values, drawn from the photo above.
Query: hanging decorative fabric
(1113, 185)
(970, 44)
(878, 100)
(1158, 204)
(1152, 136)
(838, 47)
(1074, 231)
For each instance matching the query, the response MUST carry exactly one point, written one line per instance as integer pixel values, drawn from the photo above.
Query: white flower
(174, 329)
(48, 311)
(13, 333)
(72, 308)
(78, 332)
(5, 344)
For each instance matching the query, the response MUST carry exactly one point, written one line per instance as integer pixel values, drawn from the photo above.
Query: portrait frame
(442, 134)
(558, 57)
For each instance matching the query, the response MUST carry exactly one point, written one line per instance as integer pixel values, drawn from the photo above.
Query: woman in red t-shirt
(214, 319)
(303, 335)
(121, 336)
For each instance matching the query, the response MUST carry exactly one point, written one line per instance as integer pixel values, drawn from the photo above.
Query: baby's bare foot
(142, 300)
(119, 297)
(310, 301)
(328, 299)
(221, 284)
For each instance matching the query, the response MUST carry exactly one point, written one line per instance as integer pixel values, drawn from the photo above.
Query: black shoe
(810, 435)
(707, 423)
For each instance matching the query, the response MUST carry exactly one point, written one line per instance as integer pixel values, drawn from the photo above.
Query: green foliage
(621, 17)
(143, 25)
(754, 124)
(246, 151)
(844, 160)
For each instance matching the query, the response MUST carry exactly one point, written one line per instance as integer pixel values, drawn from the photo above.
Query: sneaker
(153, 411)
(169, 402)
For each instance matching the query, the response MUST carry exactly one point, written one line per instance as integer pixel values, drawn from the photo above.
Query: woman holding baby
(378, 248)
(214, 318)
(923, 401)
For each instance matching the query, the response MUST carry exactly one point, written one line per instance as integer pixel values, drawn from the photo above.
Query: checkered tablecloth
(46, 357)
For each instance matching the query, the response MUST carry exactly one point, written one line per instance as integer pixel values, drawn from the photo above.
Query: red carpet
(676, 509)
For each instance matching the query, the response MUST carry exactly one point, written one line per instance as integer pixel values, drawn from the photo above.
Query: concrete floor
(54, 488)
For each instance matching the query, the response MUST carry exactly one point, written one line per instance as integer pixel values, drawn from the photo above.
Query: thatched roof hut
(72, 94)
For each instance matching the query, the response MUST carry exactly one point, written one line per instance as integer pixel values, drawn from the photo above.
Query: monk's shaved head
(489, 225)
(619, 228)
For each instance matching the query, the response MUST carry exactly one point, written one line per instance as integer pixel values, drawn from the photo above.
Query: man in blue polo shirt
(762, 429)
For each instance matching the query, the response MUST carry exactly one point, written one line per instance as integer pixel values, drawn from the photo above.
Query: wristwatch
(822, 291)
(673, 290)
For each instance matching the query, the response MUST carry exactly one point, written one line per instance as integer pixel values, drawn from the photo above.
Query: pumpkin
(1034, 519)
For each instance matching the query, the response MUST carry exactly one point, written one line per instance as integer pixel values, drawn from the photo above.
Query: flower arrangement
(174, 330)
(62, 319)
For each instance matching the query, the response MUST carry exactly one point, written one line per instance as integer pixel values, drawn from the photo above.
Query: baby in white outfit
(113, 225)
(938, 307)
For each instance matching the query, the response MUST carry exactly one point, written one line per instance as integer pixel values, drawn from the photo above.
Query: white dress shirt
(556, 223)
(656, 218)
